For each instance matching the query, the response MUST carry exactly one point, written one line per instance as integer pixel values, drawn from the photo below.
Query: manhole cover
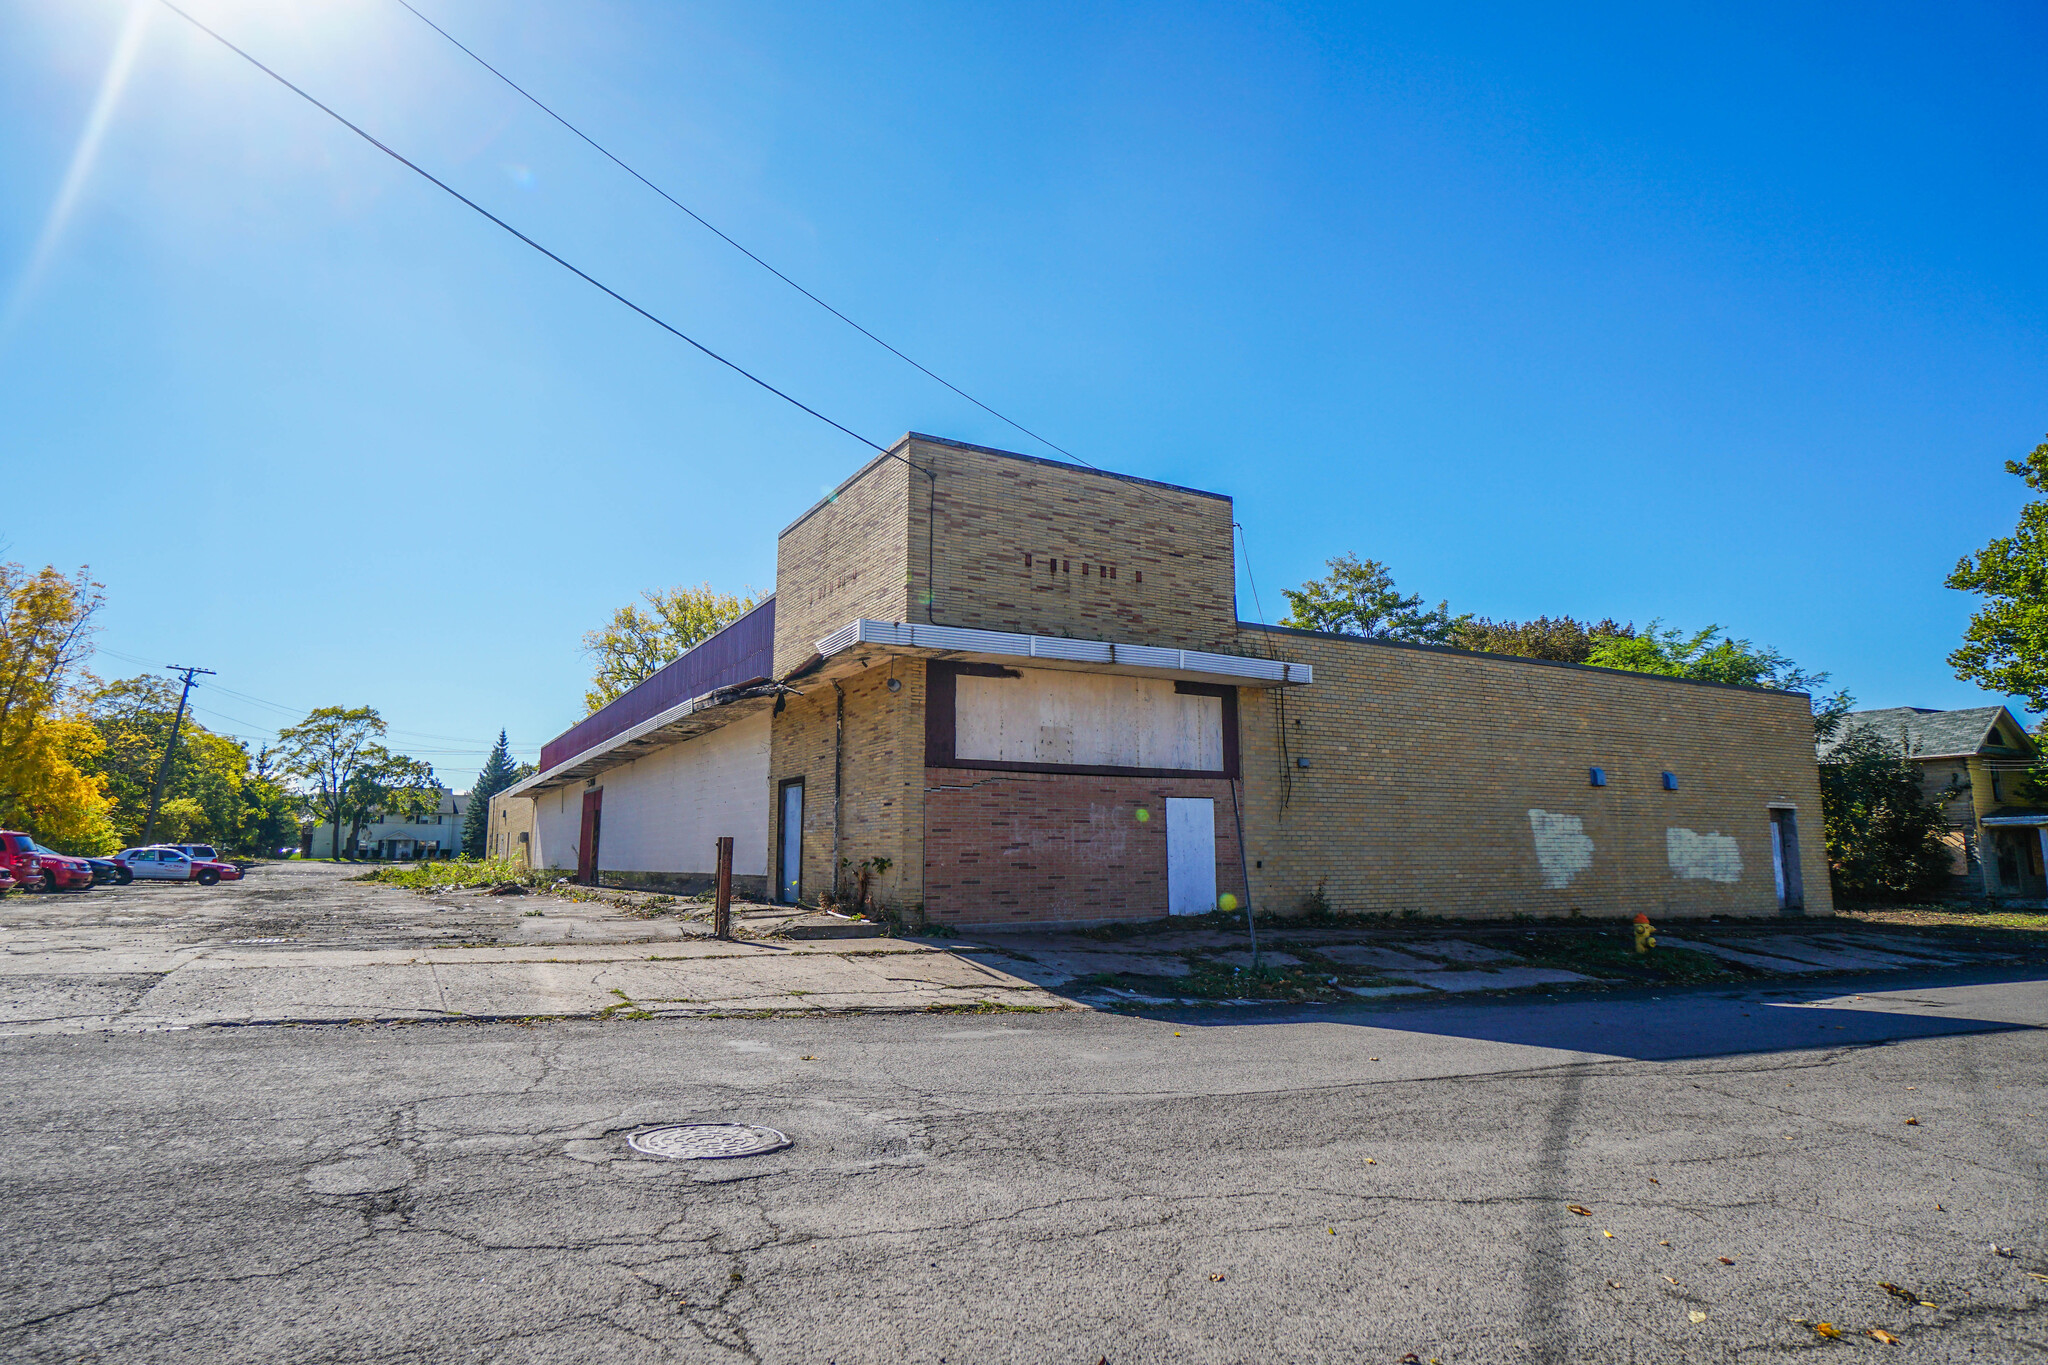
(708, 1141)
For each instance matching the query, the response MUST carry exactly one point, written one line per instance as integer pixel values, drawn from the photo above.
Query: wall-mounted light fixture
(1671, 782)
(1596, 777)
(1301, 762)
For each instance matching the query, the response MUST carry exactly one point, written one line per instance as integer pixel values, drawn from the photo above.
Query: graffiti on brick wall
(1703, 857)
(1562, 849)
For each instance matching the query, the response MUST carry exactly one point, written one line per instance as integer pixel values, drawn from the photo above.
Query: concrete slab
(1057, 966)
(1506, 979)
(1364, 955)
(1457, 950)
(1825, 958)
(1760, 961)
(1381, 992)
(1244, 959)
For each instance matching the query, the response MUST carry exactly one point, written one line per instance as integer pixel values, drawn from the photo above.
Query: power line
(479, 208)
(723, 236)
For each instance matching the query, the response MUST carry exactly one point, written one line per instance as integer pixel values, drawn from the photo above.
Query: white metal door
(1190, 855)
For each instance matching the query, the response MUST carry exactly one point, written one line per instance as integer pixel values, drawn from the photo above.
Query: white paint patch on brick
(1703, 857)
(1562, 849)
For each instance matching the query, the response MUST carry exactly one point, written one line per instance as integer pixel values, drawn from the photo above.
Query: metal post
(721, 913)
(163, 768)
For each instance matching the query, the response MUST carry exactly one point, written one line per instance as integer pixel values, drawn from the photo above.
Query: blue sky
(1721, 314)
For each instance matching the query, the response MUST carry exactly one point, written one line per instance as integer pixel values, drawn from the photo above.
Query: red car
(169, 863)
(19, 861)
(61, 871)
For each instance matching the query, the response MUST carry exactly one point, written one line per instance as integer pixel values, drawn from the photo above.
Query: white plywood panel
(665, 812)
(1090, 719)
(1190, 855)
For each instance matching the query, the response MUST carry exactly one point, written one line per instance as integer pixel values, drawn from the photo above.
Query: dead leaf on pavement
(1997, 1250)
(1580, 1209)
(1605, 1233)
(1614, 1284)
(1653, 1180)
(1724, 1260)
(1215, 1279)
(2037, 1275)
(1370, 1162)
(1669, 1278)
(1411, 1359)
(1880, 1334)
(1697, 1316)
(1908, 1295)
(1827, 1329)
(1663, 1244)
(1913, 1123)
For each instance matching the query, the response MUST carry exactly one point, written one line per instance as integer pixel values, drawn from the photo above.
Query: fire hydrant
(1645, 934)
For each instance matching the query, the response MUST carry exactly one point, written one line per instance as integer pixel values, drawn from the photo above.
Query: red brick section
(1021, 848)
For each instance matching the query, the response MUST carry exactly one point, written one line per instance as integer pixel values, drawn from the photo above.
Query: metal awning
(2016, 818)
(1051, 651)
(685, 720)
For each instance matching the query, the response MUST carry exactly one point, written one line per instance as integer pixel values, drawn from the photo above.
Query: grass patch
(459, 872)
(1948, 916)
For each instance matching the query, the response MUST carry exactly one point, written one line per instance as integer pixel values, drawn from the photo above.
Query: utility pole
(163, 769)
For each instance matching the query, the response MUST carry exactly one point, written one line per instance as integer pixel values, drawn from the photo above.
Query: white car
(165, 863)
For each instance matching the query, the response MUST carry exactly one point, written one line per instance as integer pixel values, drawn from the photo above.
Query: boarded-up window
(1094, 720)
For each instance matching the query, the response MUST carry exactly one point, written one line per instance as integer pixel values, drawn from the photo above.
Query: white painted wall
(664, 812)
(1095, 719)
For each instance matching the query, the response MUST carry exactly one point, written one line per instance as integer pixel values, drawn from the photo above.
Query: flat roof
(1513, 658)
(895, 453)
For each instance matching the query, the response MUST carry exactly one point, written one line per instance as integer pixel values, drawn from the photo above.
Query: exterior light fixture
(1596, 777)
(895, 684)
(1671, 782)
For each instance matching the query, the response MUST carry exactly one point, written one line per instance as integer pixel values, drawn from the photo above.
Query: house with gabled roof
(1973, 760)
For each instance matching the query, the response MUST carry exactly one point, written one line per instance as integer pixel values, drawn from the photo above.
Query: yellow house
(1974, 759)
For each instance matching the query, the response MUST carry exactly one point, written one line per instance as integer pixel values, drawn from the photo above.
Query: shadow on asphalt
(1672, 1024)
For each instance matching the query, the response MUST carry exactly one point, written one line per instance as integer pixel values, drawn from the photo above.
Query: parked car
(107, 870)
(204, 853)
(168, 863)
(61, 871)
(18, 859)
(7, 882)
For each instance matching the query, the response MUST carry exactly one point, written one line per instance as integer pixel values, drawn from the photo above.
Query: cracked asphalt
(1347, 1184)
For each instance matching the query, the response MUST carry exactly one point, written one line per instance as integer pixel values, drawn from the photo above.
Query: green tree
(1710, 656)
(1557, 638)
(387, 784)
(1358, 597)
(2005, 649)
(1886, 837)
(499, 772)
(223, 797)
(328, 750)
(636, 642)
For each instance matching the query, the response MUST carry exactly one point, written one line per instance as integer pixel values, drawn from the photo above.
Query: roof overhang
(2022, 820)
(1049, 651)
(685, 720)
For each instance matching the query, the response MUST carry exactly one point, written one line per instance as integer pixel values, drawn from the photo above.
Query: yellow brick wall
(1168, 550)
(882, 758)
(845, 559)
(1425, 764)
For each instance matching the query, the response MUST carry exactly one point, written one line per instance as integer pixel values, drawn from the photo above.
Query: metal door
(1190, 855)
(791, 841)
(1785, 861)
(586, 843)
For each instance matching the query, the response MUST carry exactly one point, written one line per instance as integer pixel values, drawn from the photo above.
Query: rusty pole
(721, 914)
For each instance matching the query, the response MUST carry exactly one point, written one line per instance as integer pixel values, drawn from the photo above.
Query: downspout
(838, 767)
(1244, 863)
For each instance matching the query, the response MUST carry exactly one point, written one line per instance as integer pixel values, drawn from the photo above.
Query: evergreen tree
(499, 772)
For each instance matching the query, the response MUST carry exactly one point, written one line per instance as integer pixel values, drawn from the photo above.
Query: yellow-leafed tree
(46, 749)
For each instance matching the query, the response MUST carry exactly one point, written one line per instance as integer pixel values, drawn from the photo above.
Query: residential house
(1973, 760)
(436, 835)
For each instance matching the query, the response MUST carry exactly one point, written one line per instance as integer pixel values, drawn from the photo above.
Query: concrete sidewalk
(306, 943)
